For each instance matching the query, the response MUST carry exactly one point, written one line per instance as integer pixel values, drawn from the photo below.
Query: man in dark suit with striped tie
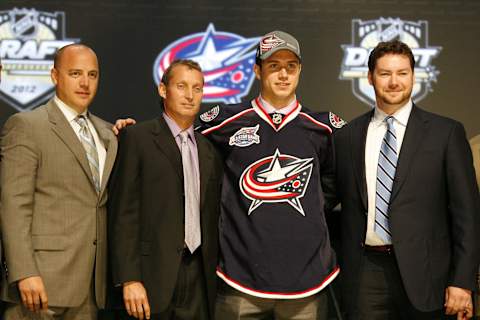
(410, 203)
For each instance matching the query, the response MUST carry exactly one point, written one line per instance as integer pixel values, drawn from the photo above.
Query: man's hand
(135, 299)
(122, 123)
(33, 294)
(458, 301)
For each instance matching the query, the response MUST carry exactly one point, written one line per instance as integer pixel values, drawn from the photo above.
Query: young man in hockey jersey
(275, 258)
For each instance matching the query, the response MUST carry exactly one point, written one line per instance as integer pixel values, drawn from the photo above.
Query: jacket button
(94, 242)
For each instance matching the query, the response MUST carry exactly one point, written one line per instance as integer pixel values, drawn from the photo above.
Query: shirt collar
(69, 112)
(271, 109)
(401, 115)
(175, 129)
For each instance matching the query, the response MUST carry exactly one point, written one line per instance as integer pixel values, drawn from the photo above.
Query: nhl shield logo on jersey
(276, 179)
(277, 118)
(245, 137)
(28, 42)
(211, 114)
(336, 121)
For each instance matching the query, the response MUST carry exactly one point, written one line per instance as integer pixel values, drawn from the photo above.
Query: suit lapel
(358, 137)
(416, 128)
(64, 131)
(205, 163)
(109, 141)
(166, 143)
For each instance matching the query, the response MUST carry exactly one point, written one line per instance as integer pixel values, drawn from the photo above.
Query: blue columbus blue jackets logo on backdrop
(226, 59)
(28, 42)
(367, 34)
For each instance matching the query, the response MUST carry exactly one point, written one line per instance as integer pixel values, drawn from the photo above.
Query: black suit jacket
(146, 211)
(434, 208)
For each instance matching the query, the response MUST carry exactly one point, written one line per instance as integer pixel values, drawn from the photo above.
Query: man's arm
(122, 123)
(19, 164)
(464, 206)
(124, 226)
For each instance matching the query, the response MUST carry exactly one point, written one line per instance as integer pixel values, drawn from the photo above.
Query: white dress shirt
(70, 114)
(376, 131)
(285, 110)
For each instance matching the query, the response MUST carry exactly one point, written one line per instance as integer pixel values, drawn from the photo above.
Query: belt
(388, 249)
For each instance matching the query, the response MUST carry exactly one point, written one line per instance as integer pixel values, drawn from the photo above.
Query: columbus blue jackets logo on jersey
(245, 137)
(28, 42)
(367, 34)
(226, 59)
(275, 179)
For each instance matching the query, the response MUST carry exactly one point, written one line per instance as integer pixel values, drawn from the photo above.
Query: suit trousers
(86, 311)
(189, 300)
(381, 292)
(232, 304)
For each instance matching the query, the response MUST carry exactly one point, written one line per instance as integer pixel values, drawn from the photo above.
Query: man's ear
(54, 76)
(257, 69)
(162, 90)
(370, 78)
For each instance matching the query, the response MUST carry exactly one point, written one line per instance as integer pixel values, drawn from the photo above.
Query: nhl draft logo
(367, 34)
(28, 42)
(245, 137)
(226, 59)
(275, 179)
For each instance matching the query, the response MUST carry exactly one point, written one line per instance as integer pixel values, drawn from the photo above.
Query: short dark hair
(58, 54)
(179, 62)
(389, 47)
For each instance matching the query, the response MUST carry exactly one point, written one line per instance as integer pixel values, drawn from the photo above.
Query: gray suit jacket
(53, 220)
(475, 145)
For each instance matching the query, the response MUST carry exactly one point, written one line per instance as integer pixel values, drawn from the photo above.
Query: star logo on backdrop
(211, 55)
(277, 179)
(226, 60)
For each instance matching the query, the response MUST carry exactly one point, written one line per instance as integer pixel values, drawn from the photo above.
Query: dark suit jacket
(434, 208)
(146, 211)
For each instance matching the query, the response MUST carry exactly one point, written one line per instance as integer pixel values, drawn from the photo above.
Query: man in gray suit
(475, 146)
(55, 163)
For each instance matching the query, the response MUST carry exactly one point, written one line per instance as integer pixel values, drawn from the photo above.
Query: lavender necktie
(192, 203)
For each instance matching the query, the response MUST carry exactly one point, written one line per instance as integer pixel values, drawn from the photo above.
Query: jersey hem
(279, 295)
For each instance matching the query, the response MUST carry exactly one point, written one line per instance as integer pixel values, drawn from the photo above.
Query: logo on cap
(269, 42)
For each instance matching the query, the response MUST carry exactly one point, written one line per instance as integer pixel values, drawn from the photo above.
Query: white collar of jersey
(260, 110)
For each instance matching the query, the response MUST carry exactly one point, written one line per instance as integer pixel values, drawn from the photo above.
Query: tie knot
(184, 136)
(389, 121)
(81, 120)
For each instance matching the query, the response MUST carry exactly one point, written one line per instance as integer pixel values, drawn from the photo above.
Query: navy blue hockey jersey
(273, 235)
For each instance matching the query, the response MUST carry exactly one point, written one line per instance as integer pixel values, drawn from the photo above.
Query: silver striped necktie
(86, 138)
(387, 165)
(192, 203)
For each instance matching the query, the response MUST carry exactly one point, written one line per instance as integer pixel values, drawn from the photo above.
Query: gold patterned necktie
(86, 138)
